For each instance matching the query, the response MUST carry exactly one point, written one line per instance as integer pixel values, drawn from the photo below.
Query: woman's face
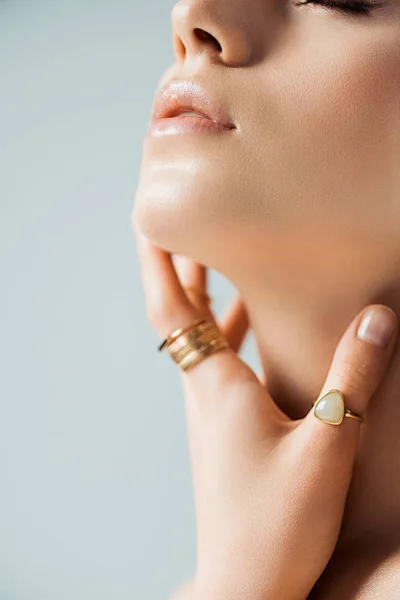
(315, 95)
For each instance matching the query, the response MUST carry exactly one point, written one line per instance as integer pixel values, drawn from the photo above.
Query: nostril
(204, 36)
(179, 46)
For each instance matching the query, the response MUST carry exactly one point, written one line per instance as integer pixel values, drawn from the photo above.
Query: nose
(228, 31)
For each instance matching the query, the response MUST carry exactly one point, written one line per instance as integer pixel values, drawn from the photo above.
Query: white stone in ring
(329, 408)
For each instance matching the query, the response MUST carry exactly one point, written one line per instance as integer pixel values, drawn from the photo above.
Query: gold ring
(353, 415)
(330, 408)
(199, 292)
(191, 344)
(172, 336)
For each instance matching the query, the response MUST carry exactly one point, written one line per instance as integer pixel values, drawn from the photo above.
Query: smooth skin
(269, 491)
(299, 209)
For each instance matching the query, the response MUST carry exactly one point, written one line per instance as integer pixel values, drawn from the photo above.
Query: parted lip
(180, 96)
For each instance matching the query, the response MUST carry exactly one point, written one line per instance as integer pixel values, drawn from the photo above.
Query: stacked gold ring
(191, 344)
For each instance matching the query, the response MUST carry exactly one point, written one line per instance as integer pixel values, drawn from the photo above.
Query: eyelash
(357, 8)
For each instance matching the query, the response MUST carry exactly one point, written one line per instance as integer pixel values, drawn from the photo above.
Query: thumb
(359, 364)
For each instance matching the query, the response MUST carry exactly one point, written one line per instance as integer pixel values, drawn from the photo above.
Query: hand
(269, 492)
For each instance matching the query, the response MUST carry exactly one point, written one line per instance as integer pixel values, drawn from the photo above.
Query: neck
(298, 316)
(297, 332)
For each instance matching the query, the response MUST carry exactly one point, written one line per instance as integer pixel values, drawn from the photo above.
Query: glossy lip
(184, 96)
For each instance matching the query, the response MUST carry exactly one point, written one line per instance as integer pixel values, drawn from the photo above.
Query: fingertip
(378, 326)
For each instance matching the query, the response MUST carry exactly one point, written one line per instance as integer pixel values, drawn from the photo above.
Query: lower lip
(185, 124)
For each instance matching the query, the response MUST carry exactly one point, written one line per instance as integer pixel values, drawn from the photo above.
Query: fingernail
(377, 326)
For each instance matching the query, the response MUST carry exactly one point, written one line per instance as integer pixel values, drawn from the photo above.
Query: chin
(161, 215)
(191, 190)
(184, 214)
(205, 200)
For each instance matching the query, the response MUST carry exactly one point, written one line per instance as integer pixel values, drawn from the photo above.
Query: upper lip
(181, 96)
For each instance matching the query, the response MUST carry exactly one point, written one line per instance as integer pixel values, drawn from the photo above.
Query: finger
(168, 308)
(193, 277)
(359, 364)
(362, 356)
(191, 273)
(235, 323)
(166, 302)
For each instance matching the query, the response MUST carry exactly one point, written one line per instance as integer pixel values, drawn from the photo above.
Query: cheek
(343, 144)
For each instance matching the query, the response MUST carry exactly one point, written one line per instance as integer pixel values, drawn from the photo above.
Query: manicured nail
(377, 326)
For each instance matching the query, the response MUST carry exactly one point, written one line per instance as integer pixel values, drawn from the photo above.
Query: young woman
(273, 157)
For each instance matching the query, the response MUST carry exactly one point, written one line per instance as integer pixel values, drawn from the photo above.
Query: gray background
(95, 491)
